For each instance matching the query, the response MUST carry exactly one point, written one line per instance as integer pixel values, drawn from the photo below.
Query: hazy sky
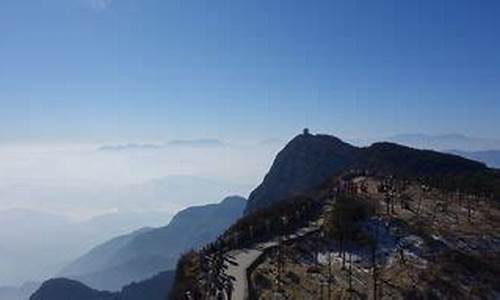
(101, 70)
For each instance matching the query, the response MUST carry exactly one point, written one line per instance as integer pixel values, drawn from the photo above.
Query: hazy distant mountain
(308, 160)
(130, 146)
(446, 142)
(40, 247)
(125, 221)
(144, 253)
(27, 240)
(173, 143)
(10, 293)
(196, 143)
(17, 218)
(491, 158)
(163, 194)
(100, 255)
(18, 293)
(154, 288)
(178, 191)
(35, 245)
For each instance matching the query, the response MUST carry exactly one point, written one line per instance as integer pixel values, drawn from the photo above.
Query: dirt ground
(430, 243)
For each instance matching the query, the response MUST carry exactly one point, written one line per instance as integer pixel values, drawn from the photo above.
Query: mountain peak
(234, 199)
(315, 142)
(301, 166)
(62, 288)
(308, 160)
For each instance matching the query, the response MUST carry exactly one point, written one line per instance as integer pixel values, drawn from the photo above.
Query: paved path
(245, 257)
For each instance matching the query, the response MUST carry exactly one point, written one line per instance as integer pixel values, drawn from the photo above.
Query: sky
(154, 70)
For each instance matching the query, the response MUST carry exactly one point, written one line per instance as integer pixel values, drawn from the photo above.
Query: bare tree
(374, 265)
(350, 273)
(425, 188)
(214, 277)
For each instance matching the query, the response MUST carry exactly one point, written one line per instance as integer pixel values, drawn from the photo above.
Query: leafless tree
(374, 265)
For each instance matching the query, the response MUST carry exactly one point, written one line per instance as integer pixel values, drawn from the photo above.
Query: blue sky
(101, 70)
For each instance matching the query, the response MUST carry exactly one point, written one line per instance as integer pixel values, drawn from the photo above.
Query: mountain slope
(446, 142)
(155, 288)
(402, 160)
(491, 157)
(35, 245)
(100, 255)
(308, 160)
(142, 254)
(61, 288)
(305, 162)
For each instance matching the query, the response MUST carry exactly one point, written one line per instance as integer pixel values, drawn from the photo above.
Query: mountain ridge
(145, 252)
(489, 157)
(321, 154)
(446, 142)
(154, 288)
(308, 160)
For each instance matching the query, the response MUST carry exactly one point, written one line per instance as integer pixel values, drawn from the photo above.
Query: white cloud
(79, 181)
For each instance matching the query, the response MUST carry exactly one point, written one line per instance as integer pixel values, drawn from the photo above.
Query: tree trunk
(329, 275)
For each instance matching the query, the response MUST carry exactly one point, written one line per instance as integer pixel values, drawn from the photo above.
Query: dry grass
(461, 250)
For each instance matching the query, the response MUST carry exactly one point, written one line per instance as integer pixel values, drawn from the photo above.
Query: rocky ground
(421, 243)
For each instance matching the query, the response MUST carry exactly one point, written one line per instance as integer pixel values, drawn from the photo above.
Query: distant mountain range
(130, 146)
(38, 249)
(446, 142)
(174, 143)
(196, 143)
(143, 253)
(35, 244)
